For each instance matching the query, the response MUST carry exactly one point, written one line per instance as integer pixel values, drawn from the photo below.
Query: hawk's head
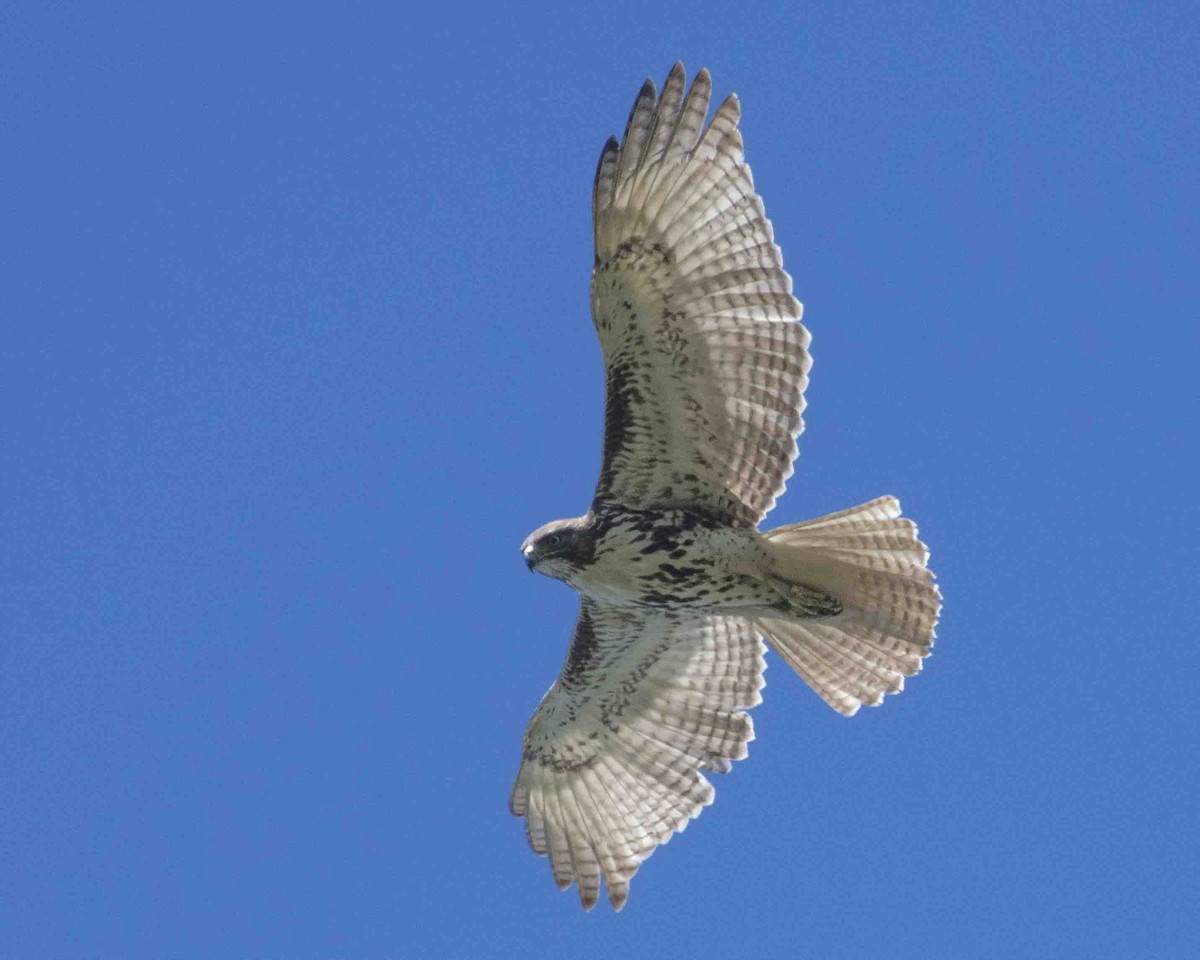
(559, 548)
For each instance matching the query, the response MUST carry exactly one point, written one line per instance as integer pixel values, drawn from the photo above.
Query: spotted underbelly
(677, 567)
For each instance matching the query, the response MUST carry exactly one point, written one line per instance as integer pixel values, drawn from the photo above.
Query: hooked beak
(527, 553)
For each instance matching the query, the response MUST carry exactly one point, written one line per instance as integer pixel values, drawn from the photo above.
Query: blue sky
(297, 351)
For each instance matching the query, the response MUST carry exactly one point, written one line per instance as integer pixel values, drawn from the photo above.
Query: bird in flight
(706, 363)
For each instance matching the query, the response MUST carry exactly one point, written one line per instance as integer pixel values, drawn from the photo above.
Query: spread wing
(705, 358)
(613, 756)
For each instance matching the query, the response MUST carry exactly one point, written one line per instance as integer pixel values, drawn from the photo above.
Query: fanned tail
(869, 561)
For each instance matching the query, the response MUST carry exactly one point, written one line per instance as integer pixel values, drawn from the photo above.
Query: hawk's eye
(554, 539)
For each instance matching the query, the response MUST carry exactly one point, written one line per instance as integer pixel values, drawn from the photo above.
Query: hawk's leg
(807, 601)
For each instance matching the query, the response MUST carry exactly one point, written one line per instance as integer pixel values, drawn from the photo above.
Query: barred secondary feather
(706, 364)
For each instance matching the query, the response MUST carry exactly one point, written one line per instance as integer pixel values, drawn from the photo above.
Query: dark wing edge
(613, 759)
(706, 360)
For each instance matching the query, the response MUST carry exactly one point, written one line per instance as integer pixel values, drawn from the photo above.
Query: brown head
(560, 547)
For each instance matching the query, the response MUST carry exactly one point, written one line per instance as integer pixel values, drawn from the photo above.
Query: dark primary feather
(706, 361)
(613, 758)
(706, 364)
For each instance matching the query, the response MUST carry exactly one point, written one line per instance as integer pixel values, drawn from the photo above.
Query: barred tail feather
(869, 559)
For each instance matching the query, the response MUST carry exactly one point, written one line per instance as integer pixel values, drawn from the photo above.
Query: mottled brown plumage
(706, 364)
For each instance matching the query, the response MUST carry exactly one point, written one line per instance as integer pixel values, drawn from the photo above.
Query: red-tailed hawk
(706, 364)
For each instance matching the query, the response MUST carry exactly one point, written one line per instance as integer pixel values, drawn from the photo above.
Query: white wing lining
(614, 757)
(705, 356)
